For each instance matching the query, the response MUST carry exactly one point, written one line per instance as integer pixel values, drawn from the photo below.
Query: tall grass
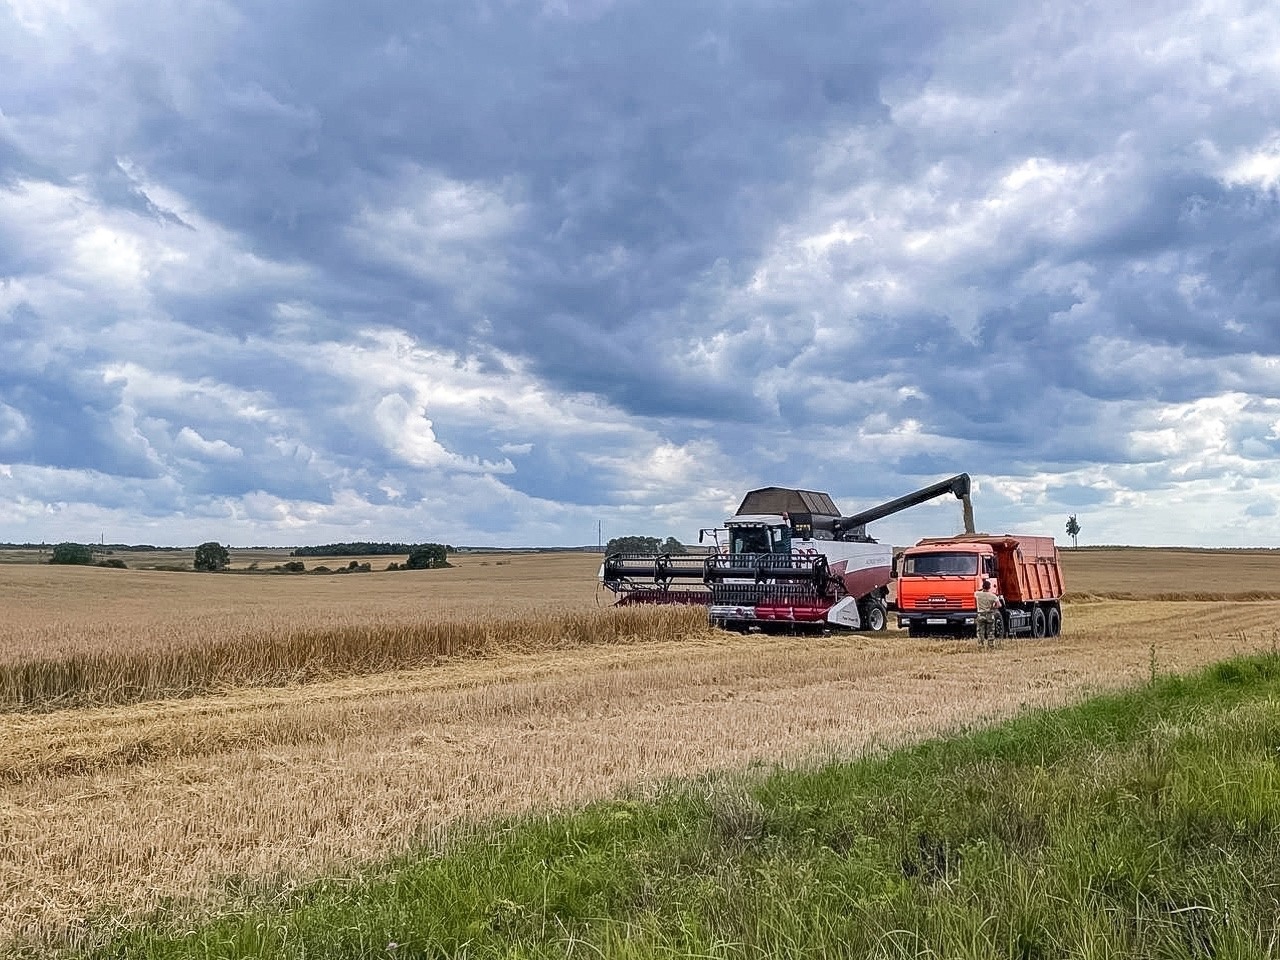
(119, 675)
(1143, 825)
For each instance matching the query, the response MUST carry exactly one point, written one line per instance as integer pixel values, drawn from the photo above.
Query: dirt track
(119, 808)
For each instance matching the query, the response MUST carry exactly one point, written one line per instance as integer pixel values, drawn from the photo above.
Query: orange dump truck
(938, 577)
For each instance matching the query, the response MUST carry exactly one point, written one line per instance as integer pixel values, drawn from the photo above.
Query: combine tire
(876, 617)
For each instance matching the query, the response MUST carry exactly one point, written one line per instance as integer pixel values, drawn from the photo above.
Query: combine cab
(786, 561)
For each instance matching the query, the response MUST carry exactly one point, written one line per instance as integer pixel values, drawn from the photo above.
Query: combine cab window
(752, 539)
(941, 565)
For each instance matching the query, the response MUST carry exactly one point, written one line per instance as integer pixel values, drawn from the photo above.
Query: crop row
(120, 675)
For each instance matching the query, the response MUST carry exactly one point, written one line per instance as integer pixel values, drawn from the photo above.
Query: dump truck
(937, 579)
(787, 561)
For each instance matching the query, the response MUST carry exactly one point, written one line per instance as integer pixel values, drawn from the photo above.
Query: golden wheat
(121, 675)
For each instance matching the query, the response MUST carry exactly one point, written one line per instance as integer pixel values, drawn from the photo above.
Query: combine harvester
(788, 562)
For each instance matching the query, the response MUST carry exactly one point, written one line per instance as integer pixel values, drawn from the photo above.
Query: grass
(1144, 824)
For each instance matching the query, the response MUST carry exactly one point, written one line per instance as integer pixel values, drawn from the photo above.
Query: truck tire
(1055, 622)
(1000, 628)
(1038, 623)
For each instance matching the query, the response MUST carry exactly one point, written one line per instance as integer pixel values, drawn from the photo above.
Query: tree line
(362, 548)
(212, 556)
(647, 546)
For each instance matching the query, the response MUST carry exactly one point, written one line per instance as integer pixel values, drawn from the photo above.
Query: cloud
(326, 273)
(209, 449)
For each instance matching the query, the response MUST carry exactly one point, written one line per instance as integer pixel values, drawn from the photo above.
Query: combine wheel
(875, 617)
(1055, 622)
(1038, 623)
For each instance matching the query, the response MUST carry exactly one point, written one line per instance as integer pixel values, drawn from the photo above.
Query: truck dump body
(1027, 567)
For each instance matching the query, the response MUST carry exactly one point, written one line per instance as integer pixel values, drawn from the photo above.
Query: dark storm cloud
(640, 130)
(70, 424)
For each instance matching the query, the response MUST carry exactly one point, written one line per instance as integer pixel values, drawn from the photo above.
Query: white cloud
(406, 431)
(193, 442)
(1259, 168)
(440, 229)
(14, 428)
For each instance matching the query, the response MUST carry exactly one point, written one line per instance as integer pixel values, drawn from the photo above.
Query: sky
(541, 272)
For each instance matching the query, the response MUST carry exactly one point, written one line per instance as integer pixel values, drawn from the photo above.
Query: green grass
(1140, 825)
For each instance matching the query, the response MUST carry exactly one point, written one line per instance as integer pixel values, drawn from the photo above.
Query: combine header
(787, 560)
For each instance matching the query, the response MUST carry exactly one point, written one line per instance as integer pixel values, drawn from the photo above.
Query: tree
(72, 553)
(1073, 528)
(212, 556)
(427, 556)
(646, 546)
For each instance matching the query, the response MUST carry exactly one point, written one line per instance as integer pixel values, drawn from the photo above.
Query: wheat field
(109, 811)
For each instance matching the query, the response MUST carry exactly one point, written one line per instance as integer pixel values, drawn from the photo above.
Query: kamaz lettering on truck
(938, 577)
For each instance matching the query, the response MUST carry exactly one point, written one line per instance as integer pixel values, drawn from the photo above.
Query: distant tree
(212, 556)
(427, 556)
(646, 546)
(72, 553)
(1073, 528)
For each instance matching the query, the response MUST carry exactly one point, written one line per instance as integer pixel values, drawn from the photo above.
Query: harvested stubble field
(109, 810)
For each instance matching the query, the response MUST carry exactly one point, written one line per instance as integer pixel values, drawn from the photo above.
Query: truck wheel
(999, 628)
(1037, 623)
(1055, 622)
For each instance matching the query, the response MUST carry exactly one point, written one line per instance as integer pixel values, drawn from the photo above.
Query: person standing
(988, 605)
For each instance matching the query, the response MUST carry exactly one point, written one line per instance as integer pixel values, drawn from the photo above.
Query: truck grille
(934, 603)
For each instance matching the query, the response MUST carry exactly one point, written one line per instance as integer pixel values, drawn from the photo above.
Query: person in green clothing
(988, 609)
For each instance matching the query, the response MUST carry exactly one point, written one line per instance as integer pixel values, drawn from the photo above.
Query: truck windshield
(941, 565)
